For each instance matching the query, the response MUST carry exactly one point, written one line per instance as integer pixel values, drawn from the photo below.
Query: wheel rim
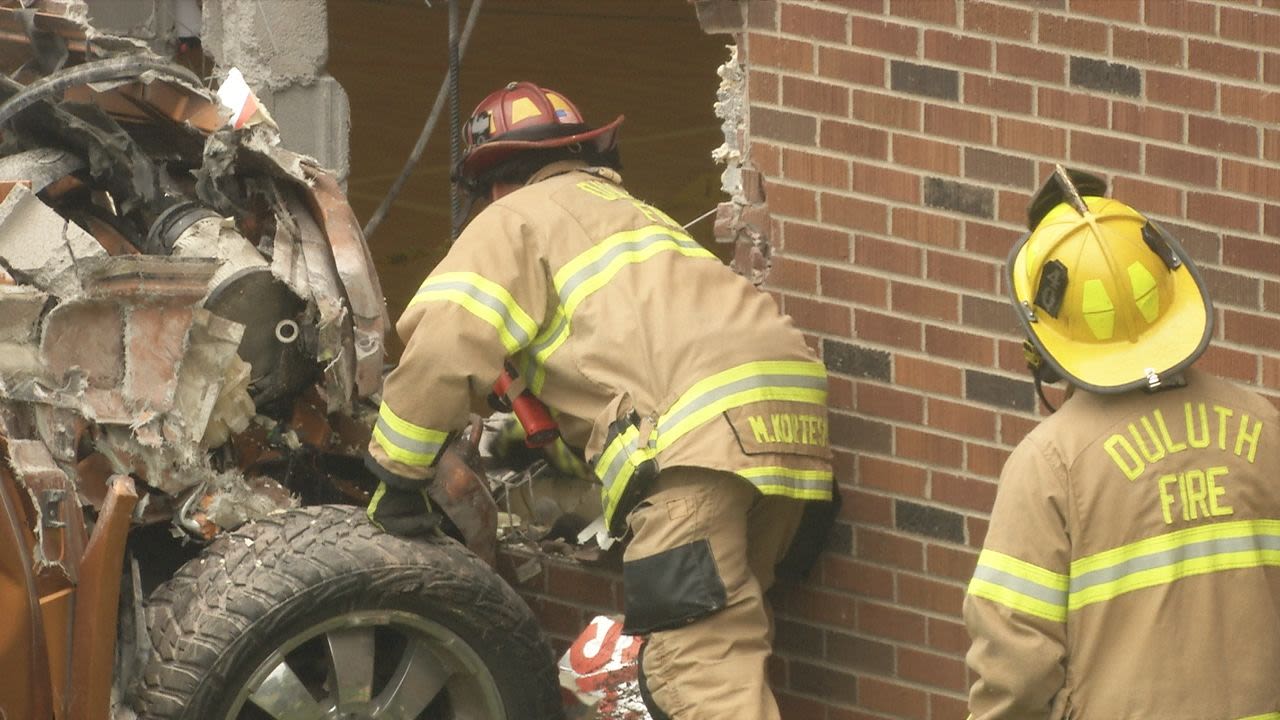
(374, 665)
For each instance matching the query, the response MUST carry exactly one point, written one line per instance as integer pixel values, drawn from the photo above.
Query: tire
(315, 613)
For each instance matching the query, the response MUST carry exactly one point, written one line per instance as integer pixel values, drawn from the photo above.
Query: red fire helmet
(523, 116)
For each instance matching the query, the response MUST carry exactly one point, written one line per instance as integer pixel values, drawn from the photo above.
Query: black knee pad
(672, 588)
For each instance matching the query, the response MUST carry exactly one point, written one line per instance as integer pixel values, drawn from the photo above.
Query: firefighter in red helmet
(696, 403)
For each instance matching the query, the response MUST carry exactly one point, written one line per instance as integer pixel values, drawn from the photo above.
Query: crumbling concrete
(41, 246)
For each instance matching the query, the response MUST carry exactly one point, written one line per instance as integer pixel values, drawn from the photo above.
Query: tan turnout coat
(1132, 567)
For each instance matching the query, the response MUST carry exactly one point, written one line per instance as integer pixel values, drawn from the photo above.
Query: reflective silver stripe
(602, 263)
(1021, 585)
(790, 481)
(1172, 556)
(407, 443)
(753, 382)
(518, 333)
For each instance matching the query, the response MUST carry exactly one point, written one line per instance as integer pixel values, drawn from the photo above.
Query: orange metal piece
(462, 495)
(97, 603)
(25, 690)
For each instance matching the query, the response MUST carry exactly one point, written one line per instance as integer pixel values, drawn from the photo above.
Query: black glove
(407, 513)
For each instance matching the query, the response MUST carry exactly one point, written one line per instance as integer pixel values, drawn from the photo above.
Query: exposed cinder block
(149, 20)
(314, 120)
(40, 247)
(275, 44)
(1106, 76)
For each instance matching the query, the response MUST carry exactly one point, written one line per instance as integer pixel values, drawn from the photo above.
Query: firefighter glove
(407, 513)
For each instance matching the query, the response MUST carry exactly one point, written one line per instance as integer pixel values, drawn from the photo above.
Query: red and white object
(602, 670)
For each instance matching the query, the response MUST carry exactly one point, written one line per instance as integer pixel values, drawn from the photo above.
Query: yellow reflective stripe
(790, 482)
(399, 454)
(485, 299)
(591, 270)
(408, 429)
(1263, 716)
(543, 347)
(1163, 559)
(1017, 601)
(1023, 569)
(405, 442)
(693, 420)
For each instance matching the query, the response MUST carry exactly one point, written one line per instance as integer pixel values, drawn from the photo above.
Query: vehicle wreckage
(191, 338)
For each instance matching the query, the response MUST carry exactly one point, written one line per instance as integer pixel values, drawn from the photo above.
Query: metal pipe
(455, 124)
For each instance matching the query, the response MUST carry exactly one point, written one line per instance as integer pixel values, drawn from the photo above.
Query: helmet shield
(1110, 300)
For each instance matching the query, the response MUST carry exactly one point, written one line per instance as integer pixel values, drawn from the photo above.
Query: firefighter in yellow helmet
(696, 403)
(1132, 565)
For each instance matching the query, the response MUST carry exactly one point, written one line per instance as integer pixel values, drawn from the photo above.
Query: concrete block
(275, 44)
(314, 120)
(151, 21)
(40, 246)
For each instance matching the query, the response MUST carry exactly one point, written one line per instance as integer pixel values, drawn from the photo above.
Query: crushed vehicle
(191, 350)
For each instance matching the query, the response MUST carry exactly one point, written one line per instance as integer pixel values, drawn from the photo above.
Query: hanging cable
(455, 125)
(421, 145)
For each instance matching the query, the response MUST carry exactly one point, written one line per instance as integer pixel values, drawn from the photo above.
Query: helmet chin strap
(1040, 392)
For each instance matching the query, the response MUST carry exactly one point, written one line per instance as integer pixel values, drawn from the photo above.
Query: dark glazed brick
(924, 80)
(999, 391)
(857, 361)
(998, 168)
(840, 539)
(934, 522)
(856, 433)
(784, 126)
(1105, 76)
(960, 197)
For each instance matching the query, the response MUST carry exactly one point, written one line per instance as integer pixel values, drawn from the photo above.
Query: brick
(860, 434)
(791, 274)
(1226, 362)
(1072, 32)
(823, 317)
(852, 139)
(985, 314)
(1233, 288)
(859, 653)
(815, 24)
(1147, 47)
(855, 361)
(925, 80)
(886, 37)
(839, 573)
(798, 640)
(943, 706)
(1254, 255)
(957, 344)
(955, 49)
(1271, 69)
(886, 182)
(998, 390)
(926, 228)
(930, 594)
(1122, 10)
(764, 87)
(1263, 106)
(977, 528)
(786, 200)
(926, 375)
(830, 685)
(1250, 179)
(1183, 166)
(1150, 198)
(889, 476)
(1072, 107)
(774, 52)
(867, 509)
(1220, 59)
(932, 669)
(1026, 62)
(1271, 219)
(1014, 428)
(991, 240)
(889, 549)
(1031, 137)
(938, 13)
(1191, 17)
(890, 403)
(890, 697)
(998, 168)
(964, 492)
(1250, 329)
(894, 257)
(873, 7)
(1147, 121)
(1223, 212)
(854, 213)
(762, 15)
(999, 20)
(1271, 145)
(818, 97)
(766, 159)
(1181, 90)
(948, 636)
(788, 127)
(856, 287)
(958, 197)
(929, 521)
(942, 158)
(836, 64)
(962, 419)
(815, 241)
(887, 330)
(1248, 26)
(925, 302)
(813, 169)
(1105, 151)
(891, 622)
(885, 110)
(950, 563)
(572, 584)
(1105, 76)
(1204, 246)
(999, 94)
(962, 271)
(985, 459)
(963, 125)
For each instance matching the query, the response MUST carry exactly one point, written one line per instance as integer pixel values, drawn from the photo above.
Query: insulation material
(42, 247)
(20, 311)
(730, 107)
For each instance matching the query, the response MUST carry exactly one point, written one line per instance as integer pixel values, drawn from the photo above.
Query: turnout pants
(704, 550)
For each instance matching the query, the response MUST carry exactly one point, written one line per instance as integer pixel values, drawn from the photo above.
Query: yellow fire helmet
(1110, 302)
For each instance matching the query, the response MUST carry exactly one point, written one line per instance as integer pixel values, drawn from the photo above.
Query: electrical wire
(432, 118)
(455, 125)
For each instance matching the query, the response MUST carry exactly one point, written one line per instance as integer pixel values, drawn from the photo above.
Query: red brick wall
(899, 142)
